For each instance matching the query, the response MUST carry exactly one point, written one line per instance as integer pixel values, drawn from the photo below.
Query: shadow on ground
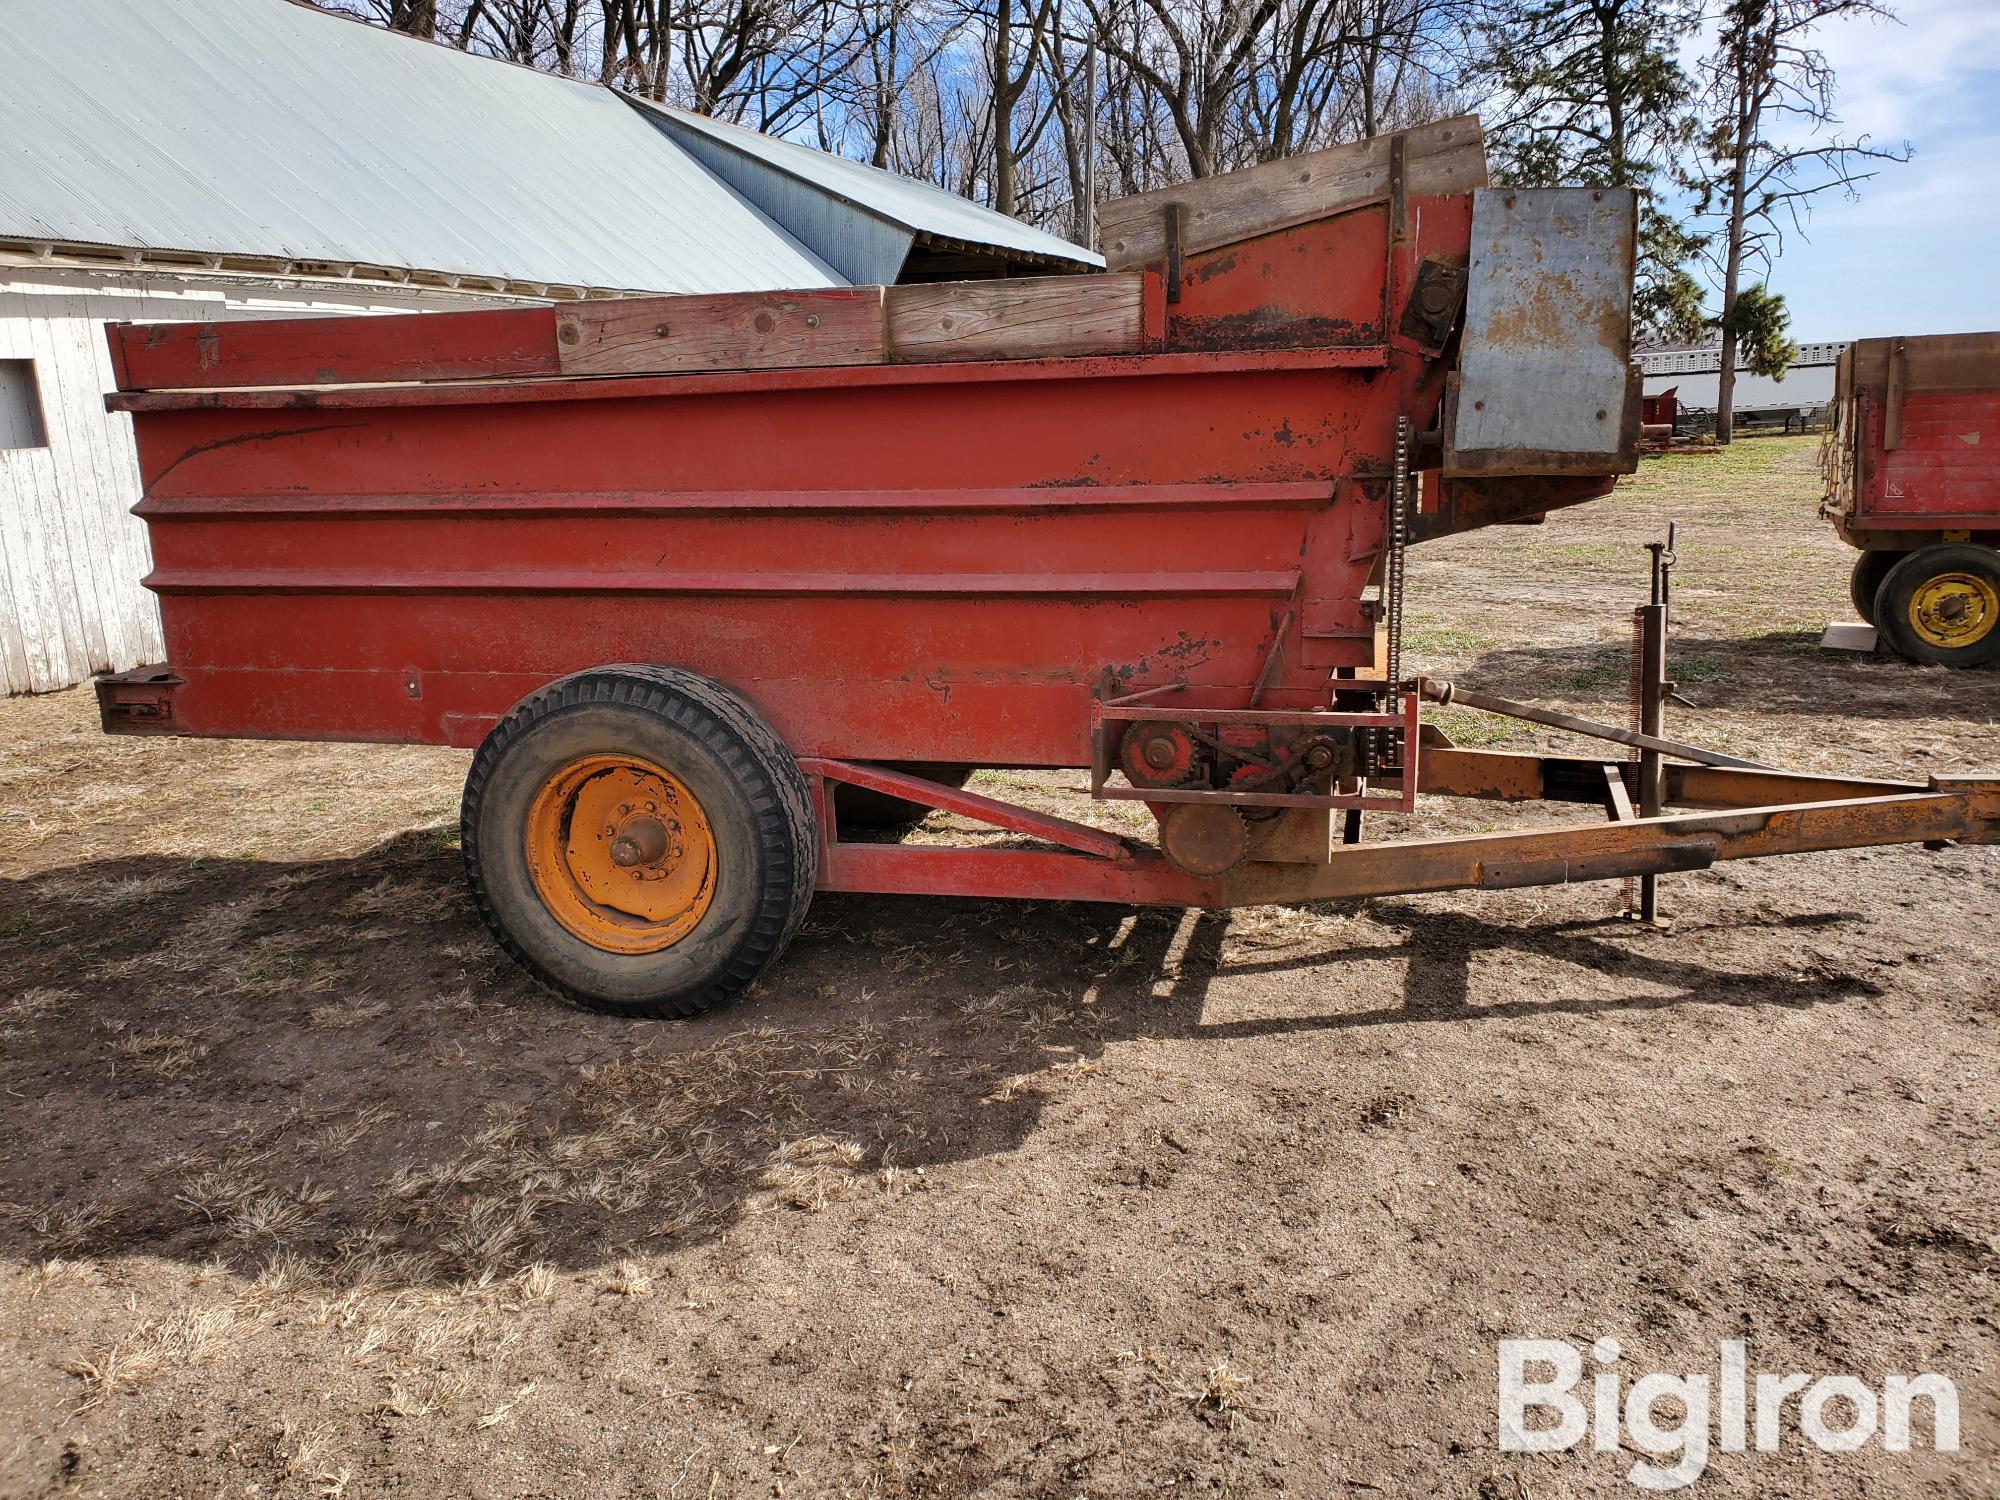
(1784, 672)
(326, 1070)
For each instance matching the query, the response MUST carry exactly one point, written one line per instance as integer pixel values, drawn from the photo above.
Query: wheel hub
(1954, 609)
(621, 854)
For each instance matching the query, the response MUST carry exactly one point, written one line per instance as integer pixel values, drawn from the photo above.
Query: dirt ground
(307, 1192)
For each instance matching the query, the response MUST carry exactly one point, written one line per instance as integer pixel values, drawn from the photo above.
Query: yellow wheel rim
(1954, 609)
(621, 854)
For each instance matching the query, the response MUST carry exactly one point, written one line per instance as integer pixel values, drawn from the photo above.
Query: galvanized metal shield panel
(1545, 380)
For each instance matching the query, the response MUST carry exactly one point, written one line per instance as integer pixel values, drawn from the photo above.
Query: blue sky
(1919, 252)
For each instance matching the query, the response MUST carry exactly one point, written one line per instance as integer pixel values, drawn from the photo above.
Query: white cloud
(1920, 79)
(1879, 265)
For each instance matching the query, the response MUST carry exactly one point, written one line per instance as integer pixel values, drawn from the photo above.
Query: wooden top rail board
(1044, 317)
(1924, 362)
(723, 331)
(1038, 318)
(1448, 157)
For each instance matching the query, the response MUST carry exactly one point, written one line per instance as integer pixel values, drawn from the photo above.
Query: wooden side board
(1044, 317)
(1447, 157)
(722, 331)
(333, 351)
(1040, 318)
(1922, 362)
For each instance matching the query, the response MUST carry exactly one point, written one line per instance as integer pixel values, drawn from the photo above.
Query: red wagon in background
(722, 587)
(1912, 464)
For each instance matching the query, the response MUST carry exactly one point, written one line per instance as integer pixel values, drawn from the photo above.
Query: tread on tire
(750, 790)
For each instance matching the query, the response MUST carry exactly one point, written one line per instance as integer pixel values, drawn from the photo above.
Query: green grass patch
(1471, 729)
(1701, 666)
(1447, 641)
(1609, 670)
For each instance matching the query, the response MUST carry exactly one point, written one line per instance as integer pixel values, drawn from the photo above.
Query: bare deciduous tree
(1766, 80)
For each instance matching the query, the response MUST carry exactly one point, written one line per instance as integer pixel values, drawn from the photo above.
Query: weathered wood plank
(722, 331)
(1892, 408)
(1042, 317)
(1931, 362)
(1447, 157)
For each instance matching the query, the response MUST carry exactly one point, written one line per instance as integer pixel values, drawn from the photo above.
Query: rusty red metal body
(1913, 480)
(1912, 455)
(397, 529)
(941, 562)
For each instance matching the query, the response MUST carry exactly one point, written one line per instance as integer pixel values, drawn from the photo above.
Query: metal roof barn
(220, 160)
(258, 128)
(864, 220)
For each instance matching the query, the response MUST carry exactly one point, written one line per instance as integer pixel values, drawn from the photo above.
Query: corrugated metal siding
(71, 553)
(256, 127)
(916, 206)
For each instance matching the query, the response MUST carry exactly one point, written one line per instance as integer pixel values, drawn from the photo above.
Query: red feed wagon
(715, 583)
(1912, 462)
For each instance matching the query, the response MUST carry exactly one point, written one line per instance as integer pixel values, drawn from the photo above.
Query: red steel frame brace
(1092, 865)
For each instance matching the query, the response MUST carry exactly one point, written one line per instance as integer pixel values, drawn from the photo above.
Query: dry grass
(160, 1054)
(346, 1013)
(33, 1004)
(56, 1273)
(1218, 1390)
(178, 1339)
(56, 1227)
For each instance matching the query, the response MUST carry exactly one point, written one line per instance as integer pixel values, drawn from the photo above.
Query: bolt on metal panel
(1545, 369)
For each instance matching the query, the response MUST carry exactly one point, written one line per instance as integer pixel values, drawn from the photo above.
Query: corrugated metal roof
(916, 206)
(259, 127)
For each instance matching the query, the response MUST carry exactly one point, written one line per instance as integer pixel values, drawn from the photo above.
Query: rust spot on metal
(1183, 652)
(1203, 838)
(1265, 328)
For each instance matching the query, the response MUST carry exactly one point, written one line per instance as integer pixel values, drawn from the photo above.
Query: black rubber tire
(1870, 568)
(1899, 589)
(756, 800)
(877, 812)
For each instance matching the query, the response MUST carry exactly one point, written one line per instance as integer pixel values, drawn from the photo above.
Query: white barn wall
(71, 552)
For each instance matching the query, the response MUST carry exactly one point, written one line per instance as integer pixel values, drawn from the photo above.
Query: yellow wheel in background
(1954, 609)
(621, 854)
(1942, 605)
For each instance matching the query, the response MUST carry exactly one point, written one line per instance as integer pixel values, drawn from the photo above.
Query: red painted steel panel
(323, 351)
(898, 563)
(1008, 434)
(1945, 469)
(1274, 291)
